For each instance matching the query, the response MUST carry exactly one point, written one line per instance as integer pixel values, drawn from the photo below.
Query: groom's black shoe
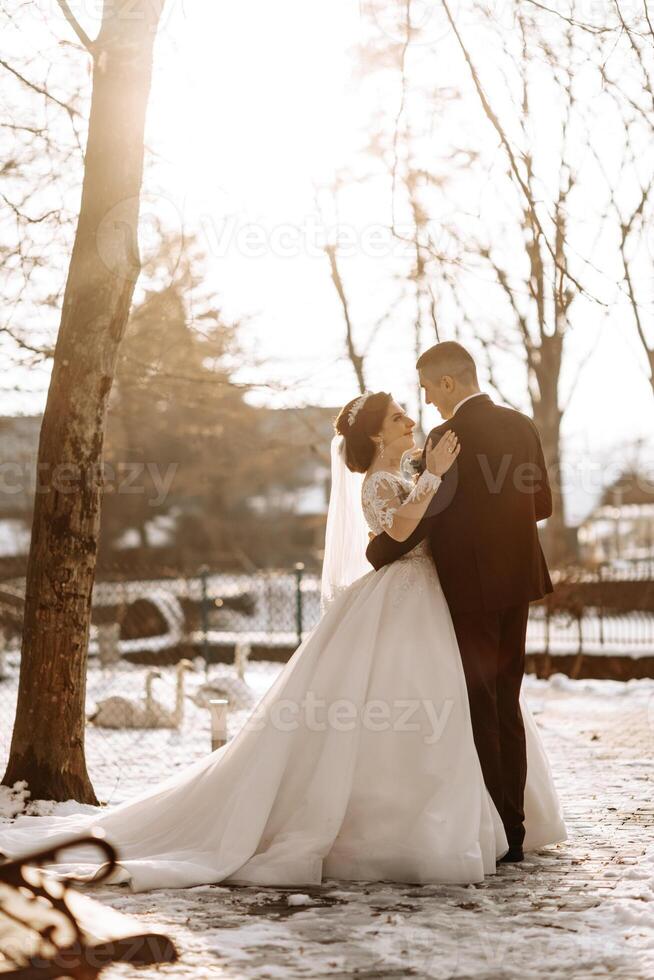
(513, 855)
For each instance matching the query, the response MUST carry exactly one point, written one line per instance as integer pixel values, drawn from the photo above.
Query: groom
(481, 527)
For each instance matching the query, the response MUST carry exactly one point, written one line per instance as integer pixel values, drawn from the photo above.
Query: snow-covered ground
(582, 910)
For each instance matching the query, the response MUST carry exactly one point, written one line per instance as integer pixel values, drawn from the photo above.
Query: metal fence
(593, 633)
(161, 649)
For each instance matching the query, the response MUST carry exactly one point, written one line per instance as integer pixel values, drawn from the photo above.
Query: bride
(359, 763)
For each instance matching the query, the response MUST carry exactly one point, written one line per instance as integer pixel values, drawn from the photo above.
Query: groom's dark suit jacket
(481, 524)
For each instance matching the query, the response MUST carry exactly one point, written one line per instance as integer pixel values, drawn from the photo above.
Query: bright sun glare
(252, 102)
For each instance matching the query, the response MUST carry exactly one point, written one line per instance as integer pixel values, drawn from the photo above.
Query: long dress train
(358, 764)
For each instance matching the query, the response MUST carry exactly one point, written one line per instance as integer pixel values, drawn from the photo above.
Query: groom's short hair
(448, 358)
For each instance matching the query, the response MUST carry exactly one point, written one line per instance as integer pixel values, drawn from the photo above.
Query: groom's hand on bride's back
(383, 550)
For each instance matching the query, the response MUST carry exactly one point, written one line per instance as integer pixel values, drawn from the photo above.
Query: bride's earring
(381, 448)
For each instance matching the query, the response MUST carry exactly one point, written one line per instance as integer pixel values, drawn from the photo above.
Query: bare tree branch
(494, 120)
(591, 28)
(486, 346)
(355, 358)
(44, 352)
(77, 27)
(400, 111)
(37, 88)
(25, 217)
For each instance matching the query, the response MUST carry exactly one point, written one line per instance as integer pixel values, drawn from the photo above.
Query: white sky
(252, 107)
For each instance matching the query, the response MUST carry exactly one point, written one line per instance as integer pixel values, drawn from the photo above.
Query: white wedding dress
(359, 762)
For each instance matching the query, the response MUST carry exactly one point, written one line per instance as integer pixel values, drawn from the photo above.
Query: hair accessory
(356, 408)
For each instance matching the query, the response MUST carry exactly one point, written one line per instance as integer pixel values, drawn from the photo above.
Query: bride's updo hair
(359, 445)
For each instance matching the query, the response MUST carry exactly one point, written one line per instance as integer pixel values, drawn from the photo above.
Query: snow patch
(13, 800)
(299, 899)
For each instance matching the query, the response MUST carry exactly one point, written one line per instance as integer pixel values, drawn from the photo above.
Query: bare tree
(42, 153)
(403, 130)
(631, 193)
(634, 225)
(47, 746)
(431, 159)
(540, 285)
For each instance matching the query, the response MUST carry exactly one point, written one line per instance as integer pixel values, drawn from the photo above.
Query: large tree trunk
(47, 747)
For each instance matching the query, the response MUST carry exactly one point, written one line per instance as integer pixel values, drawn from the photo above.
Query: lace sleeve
(384, 494)
(427, 483)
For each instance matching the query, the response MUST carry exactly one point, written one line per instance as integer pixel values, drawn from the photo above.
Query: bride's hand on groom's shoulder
(441, 456)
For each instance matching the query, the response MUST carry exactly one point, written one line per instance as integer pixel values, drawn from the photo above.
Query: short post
(601, 605)
(299, 569)
(108, 643)
(547, 627)
(204, 615)
(218, 708)
(241, 657)
(547, 660)
(575, 670)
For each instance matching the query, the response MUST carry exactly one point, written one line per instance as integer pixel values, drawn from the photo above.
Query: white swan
(161, 717)
(241, 658)
(119, 712)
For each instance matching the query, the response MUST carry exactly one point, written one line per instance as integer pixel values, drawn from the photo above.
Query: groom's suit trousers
(492, 646)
